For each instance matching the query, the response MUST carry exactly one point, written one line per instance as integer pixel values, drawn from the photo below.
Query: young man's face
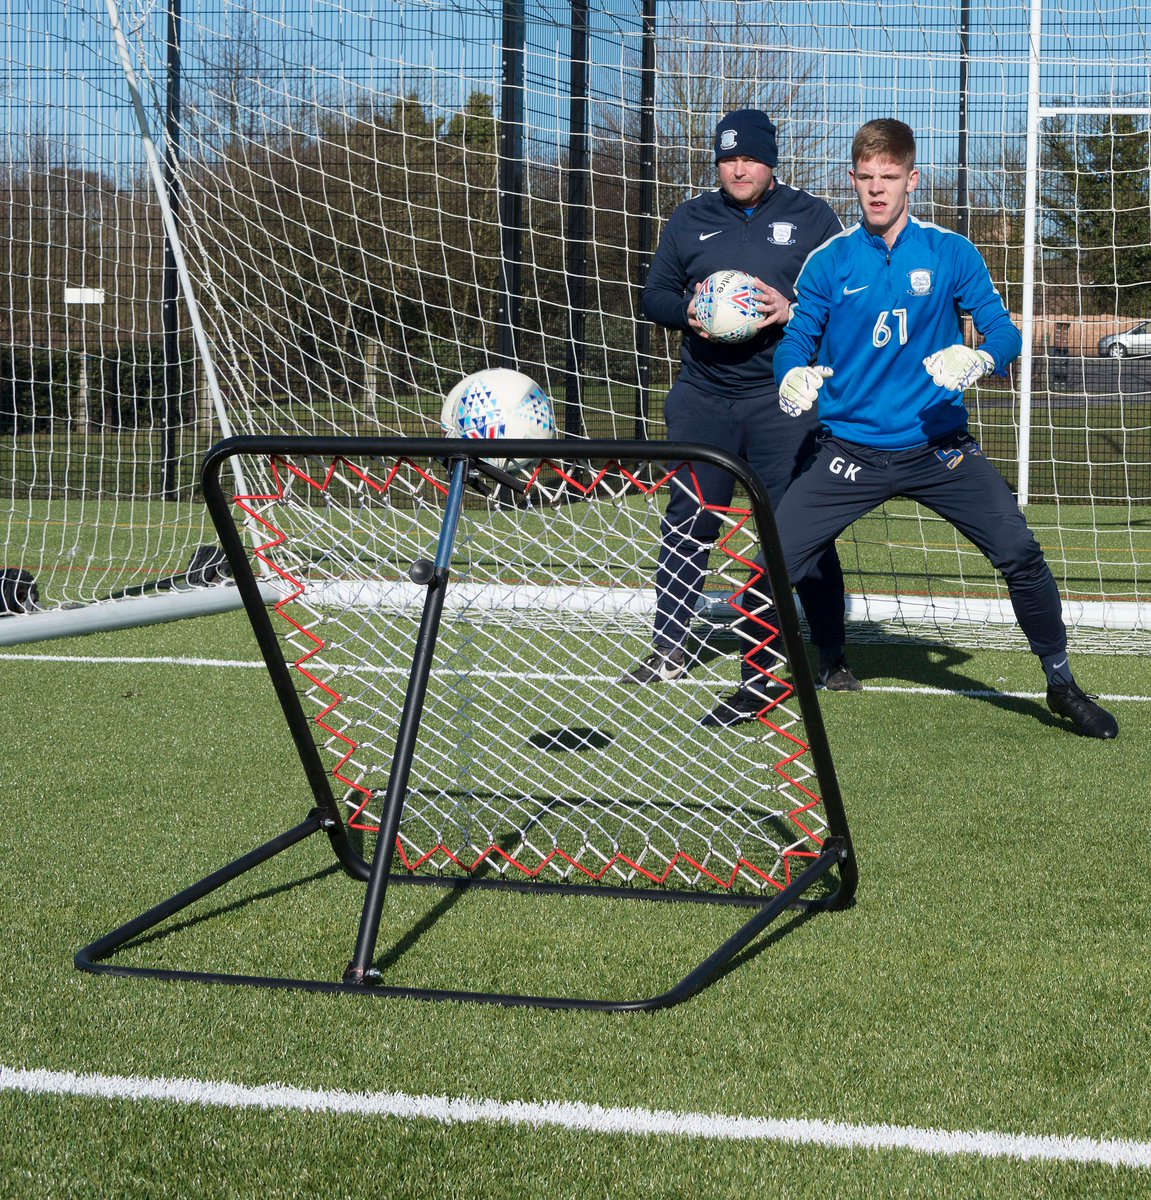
(883, 188)
(746, 180)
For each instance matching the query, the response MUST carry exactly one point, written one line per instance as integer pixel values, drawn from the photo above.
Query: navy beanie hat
(747, 133)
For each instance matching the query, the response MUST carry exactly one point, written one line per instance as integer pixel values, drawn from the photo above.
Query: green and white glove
(958, 367)
(799, 388)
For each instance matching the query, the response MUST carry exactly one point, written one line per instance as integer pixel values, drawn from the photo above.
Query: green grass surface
(992, 975)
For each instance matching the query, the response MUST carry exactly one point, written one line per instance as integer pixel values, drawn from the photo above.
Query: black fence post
(647, 213)
(575, 265)
(511, 182)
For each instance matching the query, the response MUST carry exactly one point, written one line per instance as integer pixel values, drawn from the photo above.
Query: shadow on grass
(409, 940)
(787, 925)
(922, 664)
(407, 943)
(784, 925)
(165, 930)
(943, 667)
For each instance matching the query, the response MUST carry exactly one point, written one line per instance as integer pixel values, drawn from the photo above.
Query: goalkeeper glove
(958, 367)
(799, 388)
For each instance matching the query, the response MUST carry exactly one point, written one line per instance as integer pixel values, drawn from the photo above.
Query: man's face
(883, 189)
(746, 180)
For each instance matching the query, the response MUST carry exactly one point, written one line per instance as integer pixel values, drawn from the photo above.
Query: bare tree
(703, 75)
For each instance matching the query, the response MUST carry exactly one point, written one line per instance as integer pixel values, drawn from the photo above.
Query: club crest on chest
(921, 282)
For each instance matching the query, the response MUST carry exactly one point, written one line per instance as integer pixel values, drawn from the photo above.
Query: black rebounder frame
(465, 465)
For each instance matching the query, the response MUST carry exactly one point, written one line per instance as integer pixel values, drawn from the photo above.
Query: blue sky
(59, 76)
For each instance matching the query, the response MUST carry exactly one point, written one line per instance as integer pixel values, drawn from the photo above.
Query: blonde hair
(885, 139)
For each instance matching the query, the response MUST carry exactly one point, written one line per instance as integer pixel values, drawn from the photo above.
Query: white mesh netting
(534, 760)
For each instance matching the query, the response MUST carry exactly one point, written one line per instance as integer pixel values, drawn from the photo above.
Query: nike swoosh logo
(851, 291)
(704, 236)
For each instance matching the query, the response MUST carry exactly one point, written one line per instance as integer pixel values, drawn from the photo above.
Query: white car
(1122, 345)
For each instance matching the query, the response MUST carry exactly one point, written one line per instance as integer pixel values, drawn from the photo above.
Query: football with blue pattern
(726, 306)
(499, 403)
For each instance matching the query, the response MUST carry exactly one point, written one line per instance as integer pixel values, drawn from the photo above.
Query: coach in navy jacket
(726, 394)
(712, 232)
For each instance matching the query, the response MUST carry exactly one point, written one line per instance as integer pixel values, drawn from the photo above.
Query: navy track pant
(845, 481)
(776, 447)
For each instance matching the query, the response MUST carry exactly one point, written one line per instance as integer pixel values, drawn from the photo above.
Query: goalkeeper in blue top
(875, 334)
(726, 394)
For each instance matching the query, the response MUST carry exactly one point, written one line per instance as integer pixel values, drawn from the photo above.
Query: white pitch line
(529, 676)
(121, 660)
(978, 693)
(592, 1118)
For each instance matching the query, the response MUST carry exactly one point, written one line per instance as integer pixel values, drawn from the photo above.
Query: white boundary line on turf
(977, 693)
(896, 689)
(583, 1117)
(123, 660)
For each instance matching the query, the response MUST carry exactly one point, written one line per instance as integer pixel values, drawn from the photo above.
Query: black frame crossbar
(466, 469)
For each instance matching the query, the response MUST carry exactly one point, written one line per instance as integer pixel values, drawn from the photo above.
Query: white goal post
(220, 218)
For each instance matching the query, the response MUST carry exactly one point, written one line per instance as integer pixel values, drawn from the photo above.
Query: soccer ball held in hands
(726, 306)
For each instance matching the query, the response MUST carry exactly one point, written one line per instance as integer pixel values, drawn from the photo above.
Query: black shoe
(1071, 701)
(742, 705)
(837, 677)
(658, 667)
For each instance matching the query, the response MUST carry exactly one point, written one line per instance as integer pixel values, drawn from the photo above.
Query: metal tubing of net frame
(360, 978)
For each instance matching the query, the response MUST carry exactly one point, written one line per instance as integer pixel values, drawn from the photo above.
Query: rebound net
(448, 651)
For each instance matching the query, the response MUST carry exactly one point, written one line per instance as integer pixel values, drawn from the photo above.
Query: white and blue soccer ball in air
(726, 306)
(499, 403)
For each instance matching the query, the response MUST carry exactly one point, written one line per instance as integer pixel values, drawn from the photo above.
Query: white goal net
(227, 216)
